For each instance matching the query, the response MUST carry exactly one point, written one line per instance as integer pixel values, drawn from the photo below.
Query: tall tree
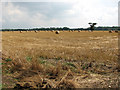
(92, 26)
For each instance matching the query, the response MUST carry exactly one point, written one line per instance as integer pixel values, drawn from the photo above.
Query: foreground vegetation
(65, 60)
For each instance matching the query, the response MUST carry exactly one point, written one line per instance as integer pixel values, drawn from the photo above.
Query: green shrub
(42, 62)
(8, 59)
(28, 58)
(70, 64)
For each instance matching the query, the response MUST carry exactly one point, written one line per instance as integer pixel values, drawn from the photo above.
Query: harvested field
(64, 60)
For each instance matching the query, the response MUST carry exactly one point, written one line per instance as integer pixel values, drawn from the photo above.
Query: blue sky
(70, 13)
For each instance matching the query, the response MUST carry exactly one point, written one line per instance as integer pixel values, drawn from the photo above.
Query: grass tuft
(8, 59)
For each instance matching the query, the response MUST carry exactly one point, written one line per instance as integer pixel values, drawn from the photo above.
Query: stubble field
(65, 60)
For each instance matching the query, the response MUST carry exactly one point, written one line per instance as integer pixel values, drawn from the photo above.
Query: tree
(92, 26)
(65, 28)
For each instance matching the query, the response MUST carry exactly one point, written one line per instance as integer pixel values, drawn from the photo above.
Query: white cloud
(19, 16)
(13, 13)
(76, 13)
(102, 12)
(70, 12)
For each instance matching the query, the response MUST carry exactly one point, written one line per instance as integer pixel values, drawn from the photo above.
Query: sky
(67, 13)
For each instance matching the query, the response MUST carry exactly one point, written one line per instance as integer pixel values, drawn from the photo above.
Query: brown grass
(52, 55)
(66, 45)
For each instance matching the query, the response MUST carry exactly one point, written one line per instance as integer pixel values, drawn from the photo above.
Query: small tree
(92, 26)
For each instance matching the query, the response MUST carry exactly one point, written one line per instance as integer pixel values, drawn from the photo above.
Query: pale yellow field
(70, 59)
(96, 45)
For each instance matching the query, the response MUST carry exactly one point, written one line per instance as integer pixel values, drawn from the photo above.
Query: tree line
(100, 28)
